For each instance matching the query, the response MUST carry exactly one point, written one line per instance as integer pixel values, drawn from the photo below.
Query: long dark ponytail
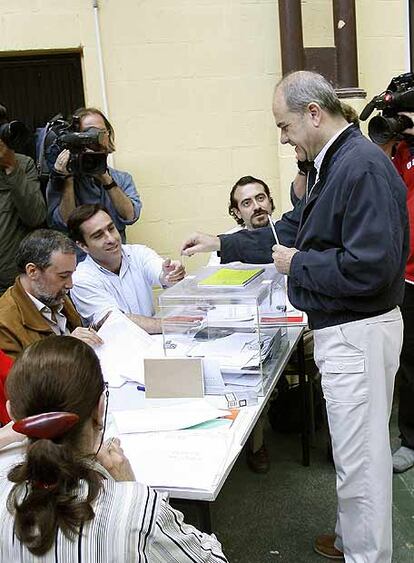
(54, 374)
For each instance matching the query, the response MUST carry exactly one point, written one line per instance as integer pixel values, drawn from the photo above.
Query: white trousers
(358, 362)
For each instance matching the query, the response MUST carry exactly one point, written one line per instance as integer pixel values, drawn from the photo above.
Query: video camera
(14, 134)
(86, 158)
(399, 96)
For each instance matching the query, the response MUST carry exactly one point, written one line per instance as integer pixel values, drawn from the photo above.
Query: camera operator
(22, 207)
(403, 457)
(393, 131)
(113, 189)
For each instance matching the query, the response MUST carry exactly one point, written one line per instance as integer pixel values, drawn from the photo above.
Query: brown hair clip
(44, 486)
(47, 425)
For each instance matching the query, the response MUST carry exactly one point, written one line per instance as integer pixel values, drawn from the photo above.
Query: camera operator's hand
(389, 147)
(410, 130)
(8, 160)
(105, 179)
(62, 162)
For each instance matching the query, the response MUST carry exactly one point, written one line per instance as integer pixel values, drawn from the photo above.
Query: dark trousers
(406, 371)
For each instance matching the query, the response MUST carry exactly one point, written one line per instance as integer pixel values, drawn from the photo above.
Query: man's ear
(236, 212)
(315, 113)
(9, 411)
(82, 246)
(31, 270)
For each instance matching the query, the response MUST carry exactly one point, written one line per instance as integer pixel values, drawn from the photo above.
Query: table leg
(304, 394)
(196, 512)
(204, 516)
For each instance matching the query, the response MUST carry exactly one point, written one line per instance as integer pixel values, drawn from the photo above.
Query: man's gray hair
(304, 87)
(38, 246)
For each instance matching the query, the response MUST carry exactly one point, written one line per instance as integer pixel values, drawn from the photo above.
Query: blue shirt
(89, 190)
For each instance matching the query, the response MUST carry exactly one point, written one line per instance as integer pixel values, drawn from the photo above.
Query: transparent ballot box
(219, 315)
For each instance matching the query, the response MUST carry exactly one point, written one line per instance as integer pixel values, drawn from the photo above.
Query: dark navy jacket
(352, 234)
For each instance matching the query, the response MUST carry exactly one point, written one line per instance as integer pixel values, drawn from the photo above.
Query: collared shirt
(55, 319)
(132, 523)
(320, 156)
(96, 290)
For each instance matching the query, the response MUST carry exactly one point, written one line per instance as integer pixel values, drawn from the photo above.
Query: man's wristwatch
(108, 187)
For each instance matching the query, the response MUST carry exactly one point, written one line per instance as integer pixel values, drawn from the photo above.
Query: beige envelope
(173, 377)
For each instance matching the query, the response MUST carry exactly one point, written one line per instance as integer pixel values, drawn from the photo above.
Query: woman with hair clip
(73, 498)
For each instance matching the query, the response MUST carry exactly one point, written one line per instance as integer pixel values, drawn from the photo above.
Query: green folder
(230, 277)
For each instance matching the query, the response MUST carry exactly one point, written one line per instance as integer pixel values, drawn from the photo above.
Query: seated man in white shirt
(250, 206)
(116, 276)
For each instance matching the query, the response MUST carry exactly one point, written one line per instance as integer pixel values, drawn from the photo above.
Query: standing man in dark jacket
(344, 248)
(22, 208)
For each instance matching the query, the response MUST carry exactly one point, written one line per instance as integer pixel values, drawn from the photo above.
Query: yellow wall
(189, 87)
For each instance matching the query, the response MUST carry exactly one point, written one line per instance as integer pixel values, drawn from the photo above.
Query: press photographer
(81, 175)
(85, 155)
(393, 130)
(22, 207)
(390, 126)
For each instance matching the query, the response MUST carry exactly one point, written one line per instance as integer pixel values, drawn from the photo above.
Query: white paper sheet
(171, 417)
(122, 353)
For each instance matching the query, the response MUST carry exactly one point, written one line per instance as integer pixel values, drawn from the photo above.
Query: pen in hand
(273, 229)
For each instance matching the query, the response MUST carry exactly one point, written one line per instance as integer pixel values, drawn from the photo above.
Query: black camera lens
(14, 134)
(383, 129)
(79, 140)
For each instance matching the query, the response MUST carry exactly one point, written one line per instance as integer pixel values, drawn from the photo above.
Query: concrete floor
(275, 517)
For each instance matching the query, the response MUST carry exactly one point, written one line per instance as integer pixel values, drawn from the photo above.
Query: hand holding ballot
(199, 242)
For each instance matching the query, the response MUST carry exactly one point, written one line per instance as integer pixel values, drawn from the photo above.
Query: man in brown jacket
(37, 305)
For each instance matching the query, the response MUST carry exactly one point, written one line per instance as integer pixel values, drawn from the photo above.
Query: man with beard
(37, 305)
(250, 206)
(251, 203)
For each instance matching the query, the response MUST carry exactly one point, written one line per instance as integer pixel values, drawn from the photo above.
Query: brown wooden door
(34, 88)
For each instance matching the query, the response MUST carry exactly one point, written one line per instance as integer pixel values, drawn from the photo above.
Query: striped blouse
(132, 523)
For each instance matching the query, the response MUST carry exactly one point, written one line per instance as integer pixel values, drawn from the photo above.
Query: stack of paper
(238, 380)
(237, 351)
(185, 460)
(124, 348)
(230, 277)
(171, 417)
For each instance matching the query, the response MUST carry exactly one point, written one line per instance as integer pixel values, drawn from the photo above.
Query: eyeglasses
(106, 391)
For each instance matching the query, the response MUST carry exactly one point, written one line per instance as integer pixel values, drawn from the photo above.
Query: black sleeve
(255, 246)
